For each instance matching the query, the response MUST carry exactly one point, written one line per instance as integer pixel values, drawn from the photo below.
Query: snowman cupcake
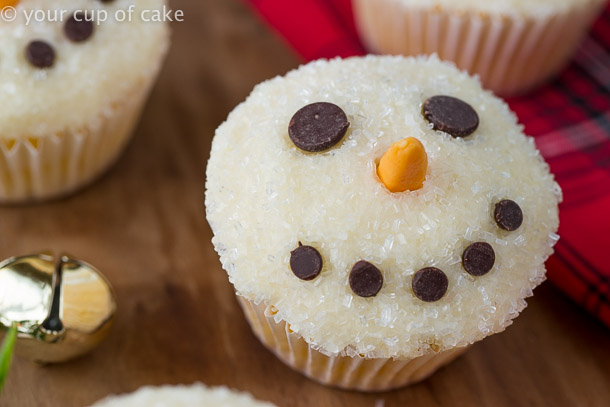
(73, 86)
(196, 395)
(377, 216)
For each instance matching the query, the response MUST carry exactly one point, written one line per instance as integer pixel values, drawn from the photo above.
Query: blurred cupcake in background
(183, 396)
(513, 45)
(74, 76)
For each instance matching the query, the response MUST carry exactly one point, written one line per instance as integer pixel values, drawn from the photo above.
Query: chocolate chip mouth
(508, 215)
(429, 284)
(365, 279)
(478, 259)
(306, 262)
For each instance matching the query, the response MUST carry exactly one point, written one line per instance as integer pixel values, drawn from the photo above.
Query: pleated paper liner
(511, 54)
(353, 373)
(39, 168)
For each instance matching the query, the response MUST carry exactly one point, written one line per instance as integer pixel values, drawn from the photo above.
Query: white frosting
(196, 395)
(532, 8)
(87, 77)
(264, 196)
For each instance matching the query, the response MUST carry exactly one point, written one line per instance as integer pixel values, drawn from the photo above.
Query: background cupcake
(346, 272)
(73, 90)
(196, 395)
(513, 45)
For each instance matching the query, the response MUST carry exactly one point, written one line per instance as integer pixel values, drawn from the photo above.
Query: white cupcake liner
(353, 373)
(511, 54)
(38, 168)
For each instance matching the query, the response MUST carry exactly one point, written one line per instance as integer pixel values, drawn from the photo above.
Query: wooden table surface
(143, 225)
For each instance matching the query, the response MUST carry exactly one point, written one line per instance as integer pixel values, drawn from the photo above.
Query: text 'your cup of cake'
(377, 216)
(72, 88)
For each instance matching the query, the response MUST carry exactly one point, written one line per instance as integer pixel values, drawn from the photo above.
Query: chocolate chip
(40, 54)
(451, 115)
(318, 127)
(305, 262)
(429, 284)
(365, 279)
(79, 27)
(508, 215)
(478, 258)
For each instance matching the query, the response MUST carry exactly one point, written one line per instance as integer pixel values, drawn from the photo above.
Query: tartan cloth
(569, 119)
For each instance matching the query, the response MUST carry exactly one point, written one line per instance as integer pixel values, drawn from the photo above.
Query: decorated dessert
(74, 75)
(513, 45)
(196, 395)
(377, 216)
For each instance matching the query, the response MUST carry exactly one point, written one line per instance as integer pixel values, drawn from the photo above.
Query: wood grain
(143, 225)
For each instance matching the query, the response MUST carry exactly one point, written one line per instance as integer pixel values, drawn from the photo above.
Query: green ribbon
(6, 353)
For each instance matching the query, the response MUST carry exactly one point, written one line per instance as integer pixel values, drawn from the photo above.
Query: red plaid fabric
(569, 118)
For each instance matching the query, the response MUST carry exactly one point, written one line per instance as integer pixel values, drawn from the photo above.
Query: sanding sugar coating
(264, 196)
(530, 8)
(183, 396)
(86, 77)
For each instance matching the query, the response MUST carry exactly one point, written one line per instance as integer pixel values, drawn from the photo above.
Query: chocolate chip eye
(451, 115)
(429, 284)
(478, 259)
(305, 262)
(508, 215)
(40, 54)
(78, 27)
(365, 279)
(318, 126)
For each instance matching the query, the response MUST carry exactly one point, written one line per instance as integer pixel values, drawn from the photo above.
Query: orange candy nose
(6, 3)
(403, 167)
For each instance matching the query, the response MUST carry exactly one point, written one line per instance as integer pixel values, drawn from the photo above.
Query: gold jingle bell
(63, 308)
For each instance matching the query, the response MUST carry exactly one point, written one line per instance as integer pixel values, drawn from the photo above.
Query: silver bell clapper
(63, 309)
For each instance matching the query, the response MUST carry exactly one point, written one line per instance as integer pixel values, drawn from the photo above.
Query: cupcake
(377, 216)
(74, 77)
(196, 395)
(513, 45)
